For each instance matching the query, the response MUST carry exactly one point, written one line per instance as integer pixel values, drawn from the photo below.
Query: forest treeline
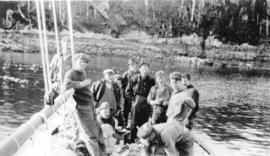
(230, 21)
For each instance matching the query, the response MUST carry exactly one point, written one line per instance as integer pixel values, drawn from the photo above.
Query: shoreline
(168, 49)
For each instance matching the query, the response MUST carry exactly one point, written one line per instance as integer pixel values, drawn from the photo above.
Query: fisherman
(60, 64)
(193, 92)
(158, 97)
(132, 70)
(158, 139)
(76, 78)
(58, 67)
(137, 91)
(106, 90)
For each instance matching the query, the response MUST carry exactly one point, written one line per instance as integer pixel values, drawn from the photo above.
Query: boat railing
(12, 144)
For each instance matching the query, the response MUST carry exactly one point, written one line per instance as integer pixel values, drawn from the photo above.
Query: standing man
(106, 90)
(137, 91)
(76, 78)
(132, 70)
(194, 94)
(158, 98)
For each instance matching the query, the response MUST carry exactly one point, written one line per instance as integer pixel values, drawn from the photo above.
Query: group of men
(170, 108)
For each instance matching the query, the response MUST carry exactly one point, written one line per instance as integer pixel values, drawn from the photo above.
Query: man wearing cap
(137, 91)
(106, 90)
(57, 69)
(132, 70)
(76, 78)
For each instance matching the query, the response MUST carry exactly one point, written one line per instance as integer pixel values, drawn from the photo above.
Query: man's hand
(86, 82)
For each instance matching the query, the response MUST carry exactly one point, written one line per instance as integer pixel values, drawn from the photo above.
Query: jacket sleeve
(184, 113)
(190, 102)
(94, 90)
(151, 95)
(129, 90)
(165, 96)
(125, 80)
(117, 93)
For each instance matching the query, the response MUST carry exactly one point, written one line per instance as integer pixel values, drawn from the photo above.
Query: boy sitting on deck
(104, 115)
(76, 78)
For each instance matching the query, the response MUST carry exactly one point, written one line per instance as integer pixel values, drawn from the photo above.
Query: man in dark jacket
(106, 90)
(126, 77)
(194, 94)
(137, 91)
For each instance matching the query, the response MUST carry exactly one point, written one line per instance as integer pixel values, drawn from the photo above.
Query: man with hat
(137, 91)
(106, 90)
(76, 78)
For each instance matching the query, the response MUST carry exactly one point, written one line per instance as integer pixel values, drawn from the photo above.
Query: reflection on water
(234, 115)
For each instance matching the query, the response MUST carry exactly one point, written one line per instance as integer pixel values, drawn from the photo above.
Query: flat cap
(108, 71)
(145, 63)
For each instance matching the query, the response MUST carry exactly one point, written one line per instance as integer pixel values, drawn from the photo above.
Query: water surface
(234, 115)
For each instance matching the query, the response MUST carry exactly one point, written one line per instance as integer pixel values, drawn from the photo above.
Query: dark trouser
(158, 114)
(127, 109)
(140, 113)
(92, 129)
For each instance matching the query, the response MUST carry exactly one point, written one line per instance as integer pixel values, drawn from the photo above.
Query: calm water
(234, 116)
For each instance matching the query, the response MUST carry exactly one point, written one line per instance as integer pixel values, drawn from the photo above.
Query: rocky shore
(185, 49)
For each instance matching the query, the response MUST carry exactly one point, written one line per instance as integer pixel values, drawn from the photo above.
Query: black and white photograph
(134, 78)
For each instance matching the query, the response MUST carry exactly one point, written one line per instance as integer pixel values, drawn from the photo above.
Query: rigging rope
(70, 31)
(45, 76)
(45, 40)
(57, 42)
(55, 27)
